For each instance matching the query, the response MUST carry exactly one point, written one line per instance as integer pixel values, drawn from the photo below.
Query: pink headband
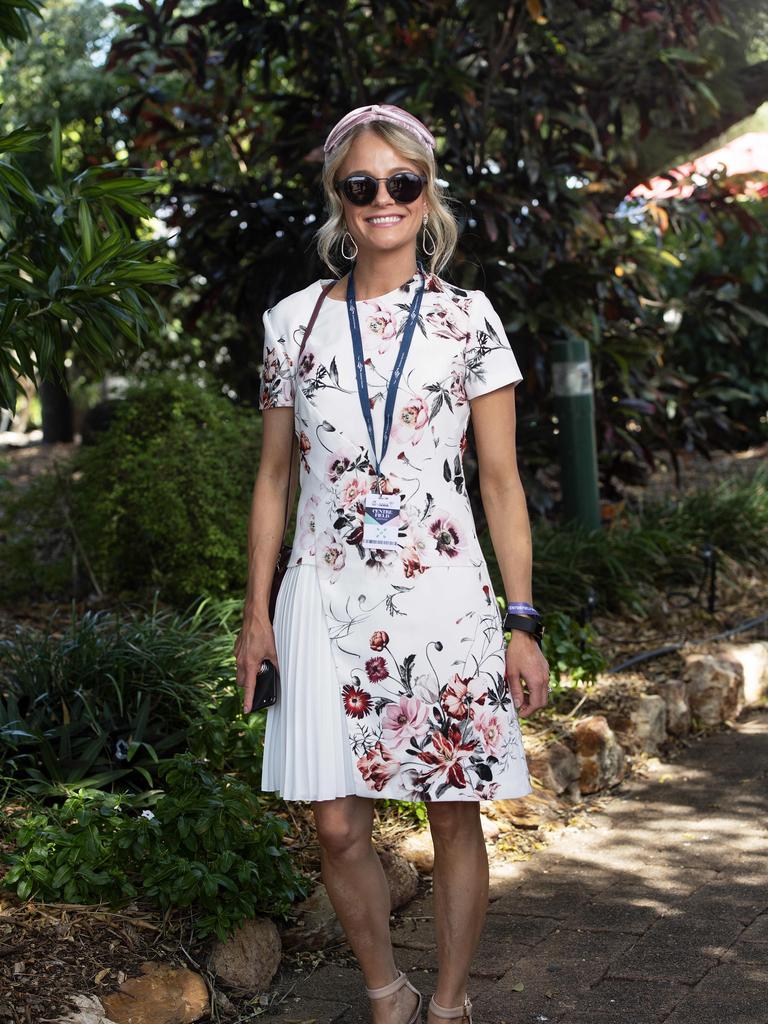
(378, 112)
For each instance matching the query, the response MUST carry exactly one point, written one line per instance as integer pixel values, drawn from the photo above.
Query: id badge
(381, 521)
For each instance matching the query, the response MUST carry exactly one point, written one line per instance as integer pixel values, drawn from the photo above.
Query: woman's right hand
(255, 642)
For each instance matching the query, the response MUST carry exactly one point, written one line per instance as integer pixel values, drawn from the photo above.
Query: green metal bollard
(575, 411)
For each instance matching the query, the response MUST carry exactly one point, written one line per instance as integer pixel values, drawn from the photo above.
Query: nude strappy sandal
(393, 986)
(447, 1012)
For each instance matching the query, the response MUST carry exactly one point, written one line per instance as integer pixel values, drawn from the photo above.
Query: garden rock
(249, 958)
(89, 1011)
(601, 757)
(491, 829)
(538, 808)
(753, 659)
(649, 720)
(164, 995)
(715, 688)
(417, 847)
(554, 766)
(622, 702)
(315, 925)
(675, 696)
(402, 876)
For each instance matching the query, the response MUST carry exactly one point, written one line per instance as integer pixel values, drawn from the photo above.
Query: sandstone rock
(601, 757)
(402, 876)
(538, 808)
(492, 829)
(164, 995)
(649, 720)
(249, 958)
(622, 702)
(89, 1011)
(315, 925)
(715, 688)
(417, 847)
(675, 696)
(753, 659)
(553, 765)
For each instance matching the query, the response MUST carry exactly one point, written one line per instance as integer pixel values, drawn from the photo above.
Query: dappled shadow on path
(652, 909)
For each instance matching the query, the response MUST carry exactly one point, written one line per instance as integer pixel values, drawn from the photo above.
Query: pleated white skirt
(306, 746)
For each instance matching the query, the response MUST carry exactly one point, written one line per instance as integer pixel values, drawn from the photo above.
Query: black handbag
(268, 678)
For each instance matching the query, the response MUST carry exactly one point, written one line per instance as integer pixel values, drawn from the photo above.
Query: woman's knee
(453, 819)
(342, 827)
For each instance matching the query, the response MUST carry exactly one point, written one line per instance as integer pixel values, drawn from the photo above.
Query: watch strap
(526, 624)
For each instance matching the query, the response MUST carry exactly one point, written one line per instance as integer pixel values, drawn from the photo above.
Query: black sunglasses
(361, 189)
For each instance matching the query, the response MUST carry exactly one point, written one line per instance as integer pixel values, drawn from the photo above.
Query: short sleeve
(489, 360)
(277, 375)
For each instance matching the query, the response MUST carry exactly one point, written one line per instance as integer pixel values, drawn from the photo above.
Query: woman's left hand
(526, 664)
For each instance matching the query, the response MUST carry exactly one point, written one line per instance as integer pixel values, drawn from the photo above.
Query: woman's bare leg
(358, 889)
(460, 887)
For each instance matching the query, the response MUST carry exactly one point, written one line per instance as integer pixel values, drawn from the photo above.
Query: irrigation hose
(667, 649)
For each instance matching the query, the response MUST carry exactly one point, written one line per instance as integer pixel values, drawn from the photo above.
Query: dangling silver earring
(427, 252)
(344, 254)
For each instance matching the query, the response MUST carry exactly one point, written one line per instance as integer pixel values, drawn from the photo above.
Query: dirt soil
(51, 951)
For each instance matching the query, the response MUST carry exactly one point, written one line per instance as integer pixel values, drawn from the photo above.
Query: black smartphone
(267, 686)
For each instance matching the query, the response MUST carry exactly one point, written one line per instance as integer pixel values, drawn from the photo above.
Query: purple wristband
(522, 608)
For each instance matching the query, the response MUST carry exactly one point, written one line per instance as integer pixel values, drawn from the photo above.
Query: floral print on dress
(419, 651)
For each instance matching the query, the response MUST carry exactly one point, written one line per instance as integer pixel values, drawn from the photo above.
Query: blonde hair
(441, 222)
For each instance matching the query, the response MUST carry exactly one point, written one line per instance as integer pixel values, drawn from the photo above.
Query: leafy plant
(651, 548)
(571, 648)
(204, 842)
(159, 502)
(70, 273)
(105, 700)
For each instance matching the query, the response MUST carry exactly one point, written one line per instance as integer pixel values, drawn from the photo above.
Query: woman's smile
(382, 220)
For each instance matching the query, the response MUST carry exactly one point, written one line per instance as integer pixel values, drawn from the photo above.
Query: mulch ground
(51, 951)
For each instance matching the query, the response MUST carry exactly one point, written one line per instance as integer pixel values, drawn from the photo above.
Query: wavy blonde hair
(441, 222)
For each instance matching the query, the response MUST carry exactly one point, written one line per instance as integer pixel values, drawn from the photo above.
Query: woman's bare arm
(265, 533)
(494, 424)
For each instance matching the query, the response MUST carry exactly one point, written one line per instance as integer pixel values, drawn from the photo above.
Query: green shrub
(37, 549)
(99, 702)
(655, 548)
(571, 649)
(164, 495)
(205, 842)
(159, 502)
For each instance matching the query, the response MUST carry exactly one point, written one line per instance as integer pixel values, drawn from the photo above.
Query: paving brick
(633, 913)
(582, 945)
(742, 903)
(334, 983)
(680, 949)
(757, 931)
(729, 994)
(613, 1001)
(549, 988)
(747, 953)
(414, 933)
(295, 1010)
(543, 898)
(505, 939)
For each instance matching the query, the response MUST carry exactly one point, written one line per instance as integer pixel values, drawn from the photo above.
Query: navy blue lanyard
(362, 383)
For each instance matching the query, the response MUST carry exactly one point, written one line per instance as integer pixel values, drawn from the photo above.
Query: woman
(395, 681)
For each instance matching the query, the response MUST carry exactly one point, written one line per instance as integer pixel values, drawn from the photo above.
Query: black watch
(527, 623)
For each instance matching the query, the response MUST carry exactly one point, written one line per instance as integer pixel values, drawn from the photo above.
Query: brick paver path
(656, 914)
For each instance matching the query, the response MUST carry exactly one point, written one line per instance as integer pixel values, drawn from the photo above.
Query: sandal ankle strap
(387, 990)
(447, 1012)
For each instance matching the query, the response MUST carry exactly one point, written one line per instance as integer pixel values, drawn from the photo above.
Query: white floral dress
(412, 638)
